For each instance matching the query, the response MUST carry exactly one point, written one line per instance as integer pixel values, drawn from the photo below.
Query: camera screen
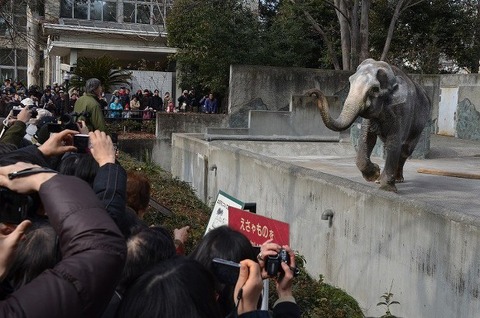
(226, 271)
(81, 141)
(16, 111)
(13, 206)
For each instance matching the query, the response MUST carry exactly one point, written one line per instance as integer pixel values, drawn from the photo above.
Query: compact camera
(17, 109)
(274, 263)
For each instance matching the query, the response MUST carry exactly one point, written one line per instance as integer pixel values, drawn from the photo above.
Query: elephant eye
(375, 90)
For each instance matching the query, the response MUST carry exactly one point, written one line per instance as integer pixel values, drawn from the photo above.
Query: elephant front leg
(367, 140)
(390, 171)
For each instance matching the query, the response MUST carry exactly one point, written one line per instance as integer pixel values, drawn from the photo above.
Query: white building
(58, 32)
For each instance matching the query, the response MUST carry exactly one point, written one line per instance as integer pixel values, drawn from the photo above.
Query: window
(13, 64)
(12, 17)
(110, 11)
(81, 9)
(89, 9)
(134, 11)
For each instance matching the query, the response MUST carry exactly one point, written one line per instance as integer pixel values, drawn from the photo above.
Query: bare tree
(353, 22)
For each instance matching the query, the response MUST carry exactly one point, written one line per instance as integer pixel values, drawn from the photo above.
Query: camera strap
(4, 128)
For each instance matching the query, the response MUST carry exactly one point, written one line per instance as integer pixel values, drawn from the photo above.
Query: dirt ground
(136, 135)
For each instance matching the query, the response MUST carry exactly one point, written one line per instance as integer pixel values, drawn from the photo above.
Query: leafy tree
(104, 68)
(427, 34)
(210, 36)
(289, 39)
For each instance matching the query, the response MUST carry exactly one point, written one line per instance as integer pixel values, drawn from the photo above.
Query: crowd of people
(74, 244)
(122, 103)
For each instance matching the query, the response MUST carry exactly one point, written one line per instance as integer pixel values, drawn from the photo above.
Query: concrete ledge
(429, 252)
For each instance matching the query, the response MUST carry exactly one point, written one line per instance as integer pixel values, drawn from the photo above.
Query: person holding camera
(278, 262)
(14, 127)
(92, 248)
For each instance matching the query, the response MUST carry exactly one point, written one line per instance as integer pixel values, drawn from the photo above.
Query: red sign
(258, 228)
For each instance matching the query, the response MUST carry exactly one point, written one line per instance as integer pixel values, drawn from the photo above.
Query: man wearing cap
(89, 106)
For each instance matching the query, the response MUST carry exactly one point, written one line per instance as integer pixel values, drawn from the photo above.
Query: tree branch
(401, 6)
(322, 33)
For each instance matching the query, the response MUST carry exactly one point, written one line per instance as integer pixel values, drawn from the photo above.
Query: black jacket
(93, 251)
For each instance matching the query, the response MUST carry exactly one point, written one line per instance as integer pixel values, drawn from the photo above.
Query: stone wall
(271, 88)
(168, 123)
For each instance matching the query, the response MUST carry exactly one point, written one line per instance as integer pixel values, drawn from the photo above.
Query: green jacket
(15, 133)
(89, 103)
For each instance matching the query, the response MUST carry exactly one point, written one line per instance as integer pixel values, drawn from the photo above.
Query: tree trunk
(328, 43)
(355, 35)
(391, 28)
(33, 59)
(364, 49)
(476, 42)
(343, 16)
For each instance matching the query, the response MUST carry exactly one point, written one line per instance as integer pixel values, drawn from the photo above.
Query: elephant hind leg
(407, 149)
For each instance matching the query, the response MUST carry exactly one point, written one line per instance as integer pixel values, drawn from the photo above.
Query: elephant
(392, 106)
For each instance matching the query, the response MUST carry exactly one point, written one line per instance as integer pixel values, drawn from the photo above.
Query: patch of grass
(175, 195)
(131, 125)
(315, 297)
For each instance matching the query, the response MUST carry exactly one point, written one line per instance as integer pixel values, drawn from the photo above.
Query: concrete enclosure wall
(376, 238)
(271, 88)
(167, 123)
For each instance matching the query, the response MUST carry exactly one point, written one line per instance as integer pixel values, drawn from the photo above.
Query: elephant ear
(400, 91)
(388, 84)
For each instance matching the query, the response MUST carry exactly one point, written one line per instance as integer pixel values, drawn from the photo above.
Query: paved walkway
(447, 153)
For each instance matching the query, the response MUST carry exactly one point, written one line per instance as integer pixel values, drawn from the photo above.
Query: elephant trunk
(346, 118)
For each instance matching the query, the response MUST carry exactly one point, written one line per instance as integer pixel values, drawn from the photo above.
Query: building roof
(96, 27)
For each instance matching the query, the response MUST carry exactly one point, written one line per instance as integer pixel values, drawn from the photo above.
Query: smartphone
(16, 111)
(13, 206)
(54, 128)
(81, 142)
(226, 271)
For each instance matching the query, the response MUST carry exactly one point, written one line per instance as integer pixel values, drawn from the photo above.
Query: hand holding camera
(249, 287)
(278, 262)
(58, 143)
(24, 115)
(102, 148)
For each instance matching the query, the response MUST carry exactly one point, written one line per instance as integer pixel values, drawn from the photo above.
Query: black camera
(17, 109)
(274, 263)
(69, 121)
(15, 207)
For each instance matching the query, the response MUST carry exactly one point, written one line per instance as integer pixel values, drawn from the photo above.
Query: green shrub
(315, 297)
(131, 125)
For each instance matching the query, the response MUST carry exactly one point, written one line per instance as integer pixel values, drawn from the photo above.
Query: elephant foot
(389, 187)
(399, 176)
(387, 182)
(372, 173)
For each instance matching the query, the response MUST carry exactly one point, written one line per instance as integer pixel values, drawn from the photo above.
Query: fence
(139, 115)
